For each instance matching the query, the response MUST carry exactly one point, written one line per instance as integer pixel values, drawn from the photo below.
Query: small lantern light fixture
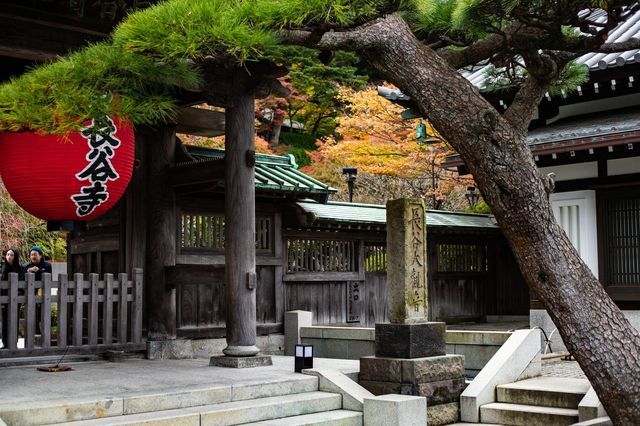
(421, 131)
(351, 173)
(422, 138)
(304, 357)
(472, 196)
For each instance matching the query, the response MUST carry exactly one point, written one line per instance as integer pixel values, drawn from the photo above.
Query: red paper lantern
(77, 176)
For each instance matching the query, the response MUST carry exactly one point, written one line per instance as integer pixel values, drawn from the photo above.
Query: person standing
(11, 264)
(38, 265)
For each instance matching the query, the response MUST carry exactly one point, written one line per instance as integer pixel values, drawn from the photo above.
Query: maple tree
(19, 231)
(372, 136)
(314, 83)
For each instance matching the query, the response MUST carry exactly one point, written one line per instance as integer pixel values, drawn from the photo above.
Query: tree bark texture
(495, 151)
(161, 234)
(240, 219)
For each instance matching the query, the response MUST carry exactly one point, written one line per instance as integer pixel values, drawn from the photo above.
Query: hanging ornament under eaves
(71, 177)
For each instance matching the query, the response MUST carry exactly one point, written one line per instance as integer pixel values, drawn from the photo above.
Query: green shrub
(301, 155)
(298, 140)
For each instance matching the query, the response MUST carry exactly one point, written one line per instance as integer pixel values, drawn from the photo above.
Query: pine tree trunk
(593, 328)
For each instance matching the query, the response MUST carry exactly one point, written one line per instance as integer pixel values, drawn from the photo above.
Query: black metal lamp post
(472, 196)
(351, 173)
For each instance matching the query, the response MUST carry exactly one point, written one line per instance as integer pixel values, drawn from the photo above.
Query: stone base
(169, 349)
(439, 379)
(240, 361)
(410, 340)
(443, 414)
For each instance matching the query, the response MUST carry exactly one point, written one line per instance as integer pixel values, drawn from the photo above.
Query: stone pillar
(240, 222)
(293, 321)
(409, 334)
(406, 261)
(410, 354)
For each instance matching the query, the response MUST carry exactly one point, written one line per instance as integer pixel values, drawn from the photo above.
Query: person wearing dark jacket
(11, 263)
(38, 265)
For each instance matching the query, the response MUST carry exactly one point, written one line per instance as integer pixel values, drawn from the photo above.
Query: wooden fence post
(77, 308)
(30, 311)
(122, 309)
(12, 327)
(107, 322)
(136, 309)
(63, 317)
(93, 309)
(46, 310)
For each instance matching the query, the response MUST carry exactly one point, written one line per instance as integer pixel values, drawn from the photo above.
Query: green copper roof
(273, 172)
(375, 214)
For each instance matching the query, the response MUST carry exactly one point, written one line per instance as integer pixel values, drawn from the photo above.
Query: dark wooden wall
(97, 249)
(470, 276)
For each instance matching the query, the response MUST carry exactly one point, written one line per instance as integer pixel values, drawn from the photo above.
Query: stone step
(525, 415)
(560, 392)
(327, 418)
(229, 413)
(58, 411)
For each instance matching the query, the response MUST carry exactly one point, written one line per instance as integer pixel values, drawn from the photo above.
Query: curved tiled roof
(595, 61)
(376, 214)
(273, 172)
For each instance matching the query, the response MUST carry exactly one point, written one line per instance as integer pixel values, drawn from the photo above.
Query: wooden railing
(89, 315)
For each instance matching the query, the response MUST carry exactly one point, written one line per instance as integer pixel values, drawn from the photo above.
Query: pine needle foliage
(150, 55)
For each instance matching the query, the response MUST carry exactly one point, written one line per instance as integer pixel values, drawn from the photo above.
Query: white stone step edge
(600, 421)
(549, 391)
(331, 380)
(566, 385)
(32, 413)
(590, 407)
(228, 413)
(517, 359)
(502, 413)
(326, 418)
(531, 409)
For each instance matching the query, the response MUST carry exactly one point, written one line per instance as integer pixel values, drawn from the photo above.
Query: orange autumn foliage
(372, 136)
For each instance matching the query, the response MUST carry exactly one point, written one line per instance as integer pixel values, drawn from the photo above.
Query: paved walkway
(560, 368)
(139, 376)
(490, 326)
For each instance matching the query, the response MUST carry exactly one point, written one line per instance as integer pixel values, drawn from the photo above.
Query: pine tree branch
(544, 70)
(475, 53)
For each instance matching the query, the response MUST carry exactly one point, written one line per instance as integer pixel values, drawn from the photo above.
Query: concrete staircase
(283, 403)
(548, 401)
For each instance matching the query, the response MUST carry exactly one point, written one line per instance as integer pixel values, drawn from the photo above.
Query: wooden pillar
(161, 222)
(240, 220)
(133, 227)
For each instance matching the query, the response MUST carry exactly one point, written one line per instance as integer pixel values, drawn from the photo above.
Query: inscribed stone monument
(406, 261)
(410, 354)
(409, 334)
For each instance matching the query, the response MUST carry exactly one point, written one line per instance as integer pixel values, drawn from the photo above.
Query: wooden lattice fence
(78, 315)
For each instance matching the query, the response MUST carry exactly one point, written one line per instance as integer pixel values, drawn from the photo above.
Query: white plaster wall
(575, 211)
(572, 171)
(596, 106)
(623, 166)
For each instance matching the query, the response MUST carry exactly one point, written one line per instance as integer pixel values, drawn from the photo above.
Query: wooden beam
(201, 172)
(29, 34)
(200, 122)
